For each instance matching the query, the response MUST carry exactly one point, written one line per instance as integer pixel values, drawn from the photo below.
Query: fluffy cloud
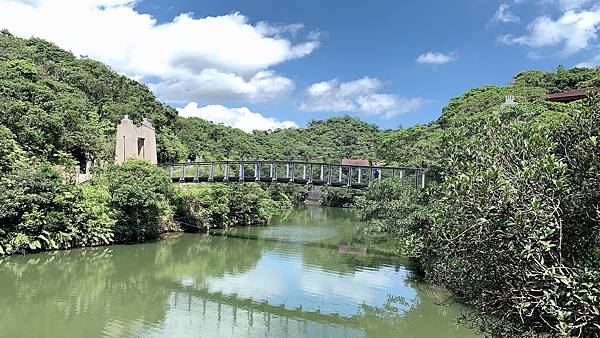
(573, 31)
(594, 62)
(503, 14)
(572, 4)
(223, 57)
(435, 58)
(242, 118)
(359, 96)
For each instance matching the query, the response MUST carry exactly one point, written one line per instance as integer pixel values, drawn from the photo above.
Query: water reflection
(248, 282)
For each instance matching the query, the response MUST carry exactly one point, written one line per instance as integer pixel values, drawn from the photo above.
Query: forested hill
(465, 117)
(58, 106)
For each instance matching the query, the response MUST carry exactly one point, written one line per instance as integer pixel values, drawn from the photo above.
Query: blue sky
(272, 63)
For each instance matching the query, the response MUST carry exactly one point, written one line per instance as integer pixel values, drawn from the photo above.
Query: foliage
(286, 196)
(516, 224)
(11, 154)
(400, 209)
(337, 197)
(53, 101)
(203, 205)
(39, 211)
(513, 227)
(330, 140)
(139, 193)
(249, 204)
(221, 205)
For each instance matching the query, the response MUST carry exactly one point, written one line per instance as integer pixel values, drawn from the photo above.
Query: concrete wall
(135, 142)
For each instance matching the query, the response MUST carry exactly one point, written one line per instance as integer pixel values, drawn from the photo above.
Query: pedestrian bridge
(298, 172)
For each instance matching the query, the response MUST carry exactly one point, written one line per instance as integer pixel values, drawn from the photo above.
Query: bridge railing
(316, 173)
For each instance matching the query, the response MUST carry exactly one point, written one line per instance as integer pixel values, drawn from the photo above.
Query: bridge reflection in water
(299, 172)
(285, 280)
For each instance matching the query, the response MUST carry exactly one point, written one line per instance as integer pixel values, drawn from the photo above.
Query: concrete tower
(135, 142)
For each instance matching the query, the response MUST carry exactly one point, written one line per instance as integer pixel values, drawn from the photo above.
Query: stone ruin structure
(135, 142)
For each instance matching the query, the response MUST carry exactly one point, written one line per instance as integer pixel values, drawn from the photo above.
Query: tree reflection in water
(243, 283)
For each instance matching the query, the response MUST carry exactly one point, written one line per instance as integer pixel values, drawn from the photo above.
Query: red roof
(572, 95)
(355, 162)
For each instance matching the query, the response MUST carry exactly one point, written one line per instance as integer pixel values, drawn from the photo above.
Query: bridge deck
(296, 172)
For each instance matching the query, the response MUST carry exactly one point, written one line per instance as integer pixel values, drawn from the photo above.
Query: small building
(135, 142)
(572, 95)
(358, 163)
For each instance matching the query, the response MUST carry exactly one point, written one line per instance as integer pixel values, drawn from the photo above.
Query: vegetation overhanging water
(296, 277)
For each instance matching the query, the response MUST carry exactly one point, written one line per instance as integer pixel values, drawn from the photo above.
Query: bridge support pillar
(211, 174)
(329, 175)
(274, 173)
(349, 176)
(304, 171)
(182, 177)
(340, 175)
(226, 174)
(359, 175)
(197, 174)
(241, 172)
(292, 178)
(257, 171)
(287, 170)
(321, 176)
(310, 179)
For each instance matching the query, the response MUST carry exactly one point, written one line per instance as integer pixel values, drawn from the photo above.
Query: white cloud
(222, 57)
(560, 4)
(594, 62)
(359, 96)
(572, 4)
(242, 118)
(503, 14)
(435, 58)
(574, 30)
(213, 85)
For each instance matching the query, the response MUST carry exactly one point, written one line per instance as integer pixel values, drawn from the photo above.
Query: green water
(291, 279)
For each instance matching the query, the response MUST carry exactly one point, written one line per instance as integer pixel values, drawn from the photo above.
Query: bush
(140, 194)
(203, 205)
(226, 205)
(40, 211)
(397, 208)
(286, 195)
(337, 197)
(513, 228)
(516, 226)
(249, 204)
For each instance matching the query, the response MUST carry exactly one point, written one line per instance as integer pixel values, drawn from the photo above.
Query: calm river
(295, 278)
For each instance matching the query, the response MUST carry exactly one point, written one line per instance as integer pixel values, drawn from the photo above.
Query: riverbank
(131, 203)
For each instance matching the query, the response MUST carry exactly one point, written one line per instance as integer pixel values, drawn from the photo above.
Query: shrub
(203, 205)
(249, 204)
(286, 196)
(516, 226)
(40, 211)
(139, 195)
(11, 155)
(399, 209)
(337, 197)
